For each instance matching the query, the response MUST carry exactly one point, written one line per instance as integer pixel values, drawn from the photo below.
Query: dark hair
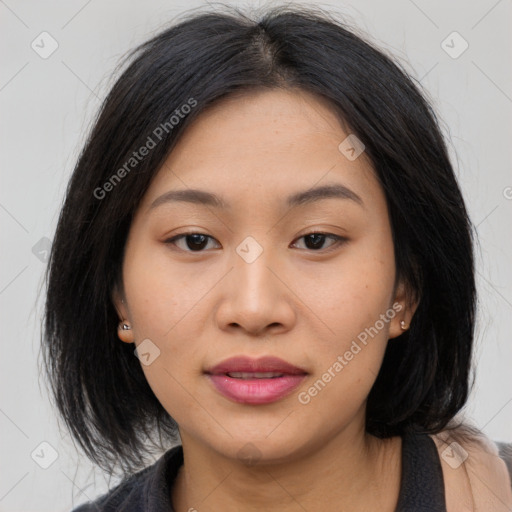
(97, 382)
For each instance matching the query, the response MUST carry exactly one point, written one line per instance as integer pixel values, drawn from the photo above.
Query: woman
(264, 249)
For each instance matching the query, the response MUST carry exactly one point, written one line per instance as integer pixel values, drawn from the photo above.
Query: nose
(256, 297)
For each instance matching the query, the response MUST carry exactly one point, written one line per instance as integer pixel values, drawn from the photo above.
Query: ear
(123, 315)
(405, 303)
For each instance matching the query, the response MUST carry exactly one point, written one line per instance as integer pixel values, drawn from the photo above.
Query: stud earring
(124, 326)
(403, 325)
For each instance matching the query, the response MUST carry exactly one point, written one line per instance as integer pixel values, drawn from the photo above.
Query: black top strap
(422, 484)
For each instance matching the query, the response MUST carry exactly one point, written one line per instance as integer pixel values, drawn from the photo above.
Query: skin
(481, 482)
(303, 305)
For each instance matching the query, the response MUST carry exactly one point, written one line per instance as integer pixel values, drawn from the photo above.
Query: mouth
(254, 375)
(255, 381)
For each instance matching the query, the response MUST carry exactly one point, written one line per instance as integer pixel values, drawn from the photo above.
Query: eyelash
(339, 240)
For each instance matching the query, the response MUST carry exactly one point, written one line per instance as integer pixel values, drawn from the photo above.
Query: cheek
(163, 296)
(164, 310)
(357, 308)
(350, 294)
(165, 304)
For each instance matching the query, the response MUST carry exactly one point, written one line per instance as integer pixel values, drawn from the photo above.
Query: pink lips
(255, 381)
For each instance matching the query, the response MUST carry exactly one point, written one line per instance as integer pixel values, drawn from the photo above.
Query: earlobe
(124, 328)
(400, 324)
(124, 331)
(408, 305)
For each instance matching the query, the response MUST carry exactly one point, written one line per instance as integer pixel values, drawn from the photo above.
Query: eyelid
(171, 240)
(338, 241)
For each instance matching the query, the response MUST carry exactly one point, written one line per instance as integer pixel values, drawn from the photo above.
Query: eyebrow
(201, 197)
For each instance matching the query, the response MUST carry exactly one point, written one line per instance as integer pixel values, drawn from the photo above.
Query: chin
(256, 449)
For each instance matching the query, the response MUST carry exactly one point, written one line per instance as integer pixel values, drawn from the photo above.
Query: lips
(250, 365)
(255, 381)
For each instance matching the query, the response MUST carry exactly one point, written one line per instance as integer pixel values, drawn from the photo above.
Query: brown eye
(315, 241)
(194, 242)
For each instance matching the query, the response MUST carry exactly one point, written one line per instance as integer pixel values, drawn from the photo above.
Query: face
(253, 280)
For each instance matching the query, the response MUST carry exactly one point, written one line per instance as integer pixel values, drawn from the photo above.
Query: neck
(353, 471)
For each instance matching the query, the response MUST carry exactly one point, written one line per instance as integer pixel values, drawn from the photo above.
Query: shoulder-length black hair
(96, 381)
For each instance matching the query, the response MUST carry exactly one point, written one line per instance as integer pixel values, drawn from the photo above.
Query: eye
(315, 241)
(194, 242)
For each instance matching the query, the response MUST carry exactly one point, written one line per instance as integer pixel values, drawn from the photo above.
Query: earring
(124, 326)
(403, 325)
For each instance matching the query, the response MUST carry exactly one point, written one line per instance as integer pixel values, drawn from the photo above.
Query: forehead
(264, 146)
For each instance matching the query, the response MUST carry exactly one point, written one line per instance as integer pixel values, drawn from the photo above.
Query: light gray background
(47, 105)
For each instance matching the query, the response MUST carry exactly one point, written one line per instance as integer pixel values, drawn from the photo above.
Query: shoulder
(475, 476)
(146, 489)
(128, 491)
